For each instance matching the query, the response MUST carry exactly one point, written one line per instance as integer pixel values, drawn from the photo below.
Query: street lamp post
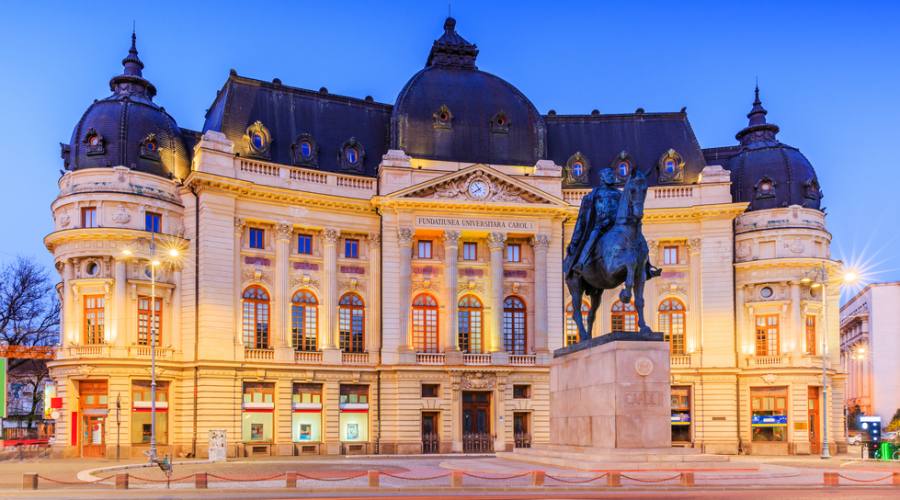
(826, 453)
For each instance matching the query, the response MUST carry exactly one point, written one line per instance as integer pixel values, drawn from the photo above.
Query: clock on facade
(478, 190)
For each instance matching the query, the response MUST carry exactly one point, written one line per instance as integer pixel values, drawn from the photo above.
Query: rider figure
(598, 212)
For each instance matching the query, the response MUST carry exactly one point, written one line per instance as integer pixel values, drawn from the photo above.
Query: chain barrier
(429, 478)
(501, 478)
(864, 480)
(676, 476)
(151, 480)
(75, 483)
(353, 476)
(249, 480)
(573, 480)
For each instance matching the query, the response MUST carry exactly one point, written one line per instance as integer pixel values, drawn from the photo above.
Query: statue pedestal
(610, 408)
(610, 393)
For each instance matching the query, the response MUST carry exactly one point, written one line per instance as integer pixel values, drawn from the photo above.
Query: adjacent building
(870, 323)
(327, 274)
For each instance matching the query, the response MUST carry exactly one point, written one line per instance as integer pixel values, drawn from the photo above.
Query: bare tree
(29, 307)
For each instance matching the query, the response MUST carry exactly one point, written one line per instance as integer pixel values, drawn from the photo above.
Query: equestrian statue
(608, 248)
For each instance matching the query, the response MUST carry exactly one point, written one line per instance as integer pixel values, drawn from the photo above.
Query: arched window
(571, 327)
(471, 317)
(514, 332)
(256, 318)
(351, 323)
(671, 323)
(304, 321)
(425, 323)
(623, 317)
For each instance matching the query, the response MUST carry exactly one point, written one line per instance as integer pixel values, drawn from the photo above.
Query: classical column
(541, 244)
(496, 244)
(176, 309)
(238, 268)
(651, 295)
(119, 322)
(373, 304)
(739, 321)
(282, 296)
(451, 278)
(405, 240)
(796, 345)
(328, 314)
(695, 303)
(70, 331)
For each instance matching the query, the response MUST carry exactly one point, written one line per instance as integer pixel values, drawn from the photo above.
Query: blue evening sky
(828, 71)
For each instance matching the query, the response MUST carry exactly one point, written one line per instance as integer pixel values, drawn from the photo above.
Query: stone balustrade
(303, 179)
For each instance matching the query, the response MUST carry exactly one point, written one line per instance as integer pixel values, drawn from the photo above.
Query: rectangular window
(152, 222)
(767, 335)
(304, 244)
(811, 334)
(93, 319)
(424, 249)
(768, 413)
(351, 248)
(306, 418)
(514, 252)
(521, 391)
(430, 390)
(257, 238)
(353, 421)
(670, 255)
(144, 333)
(140, 415)
(257, 419)
(89, 217)
(681, 414)
(354, 394)
(470, 250)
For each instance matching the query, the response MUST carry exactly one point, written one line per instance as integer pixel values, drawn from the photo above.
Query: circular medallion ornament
(643, 366)
(478, 189)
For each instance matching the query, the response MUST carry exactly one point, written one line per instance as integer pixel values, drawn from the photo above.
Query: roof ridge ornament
(452, 50)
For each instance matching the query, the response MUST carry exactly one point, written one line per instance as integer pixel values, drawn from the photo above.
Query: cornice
(471, 206)
(782, 262)
(64, 236)
(726, 211)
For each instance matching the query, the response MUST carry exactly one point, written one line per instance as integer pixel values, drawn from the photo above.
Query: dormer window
(622, 166)
(671, 167)
(500, 123)
(765, 188)
(305, 151)
(811, 190)
(352, 155)
(442, 118)
(150, 148)
(94, 143)
(577, 168)
(259, 139)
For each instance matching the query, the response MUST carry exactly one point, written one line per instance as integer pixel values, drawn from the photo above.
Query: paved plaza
(430, 477)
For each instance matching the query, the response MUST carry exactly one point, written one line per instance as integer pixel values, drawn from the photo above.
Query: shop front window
(258, 411)
(768, 418)
(681, 414)
(141, 416)
(354, 416)
(306, 416)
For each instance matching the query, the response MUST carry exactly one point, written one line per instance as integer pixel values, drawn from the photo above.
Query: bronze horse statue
(620, 256)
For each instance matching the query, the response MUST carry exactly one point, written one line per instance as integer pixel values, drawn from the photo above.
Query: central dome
(451, 111)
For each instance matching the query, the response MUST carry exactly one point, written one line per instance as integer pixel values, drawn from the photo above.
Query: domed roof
(452, 111)
(128, 129)
(767, 173)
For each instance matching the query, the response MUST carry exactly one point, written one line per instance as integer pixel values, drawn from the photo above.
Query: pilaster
(330, 341)
(451, 278)
(404, 241)
(280, 320)
(541, 244)
(119, 323)
(496, 244)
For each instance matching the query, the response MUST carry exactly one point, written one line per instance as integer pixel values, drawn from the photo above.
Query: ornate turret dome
(768, 173)
(128, 129)
(452, 111)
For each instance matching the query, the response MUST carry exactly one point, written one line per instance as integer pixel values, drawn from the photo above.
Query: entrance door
(477, 422)
(430, 439)
(815, 435)
(93, 438)
(522, 429)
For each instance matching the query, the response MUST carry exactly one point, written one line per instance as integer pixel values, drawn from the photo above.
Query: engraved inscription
(643, 398)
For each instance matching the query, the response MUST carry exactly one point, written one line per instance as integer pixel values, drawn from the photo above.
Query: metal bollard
(122, 481)
(200, 481)
(537, 478)
(374, 477)
(687, 478)
(895, 479)
(290, 480)
(613, 479)
(456, 479)
(30, 481)
(830, 478)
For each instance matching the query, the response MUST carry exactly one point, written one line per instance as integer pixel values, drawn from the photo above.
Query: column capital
(405, 236)
(374, 238)
(239, 225)
(283, 231)
(540, 241)
(652, 245)
(331, 235)
(451, 238)
(693, 245)
(496, 241)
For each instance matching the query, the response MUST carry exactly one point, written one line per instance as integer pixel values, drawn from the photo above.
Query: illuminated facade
(359, 277)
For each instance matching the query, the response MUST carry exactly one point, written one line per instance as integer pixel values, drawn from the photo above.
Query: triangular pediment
(478, 183)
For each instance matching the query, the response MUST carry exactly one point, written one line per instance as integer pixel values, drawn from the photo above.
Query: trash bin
(886, 450)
